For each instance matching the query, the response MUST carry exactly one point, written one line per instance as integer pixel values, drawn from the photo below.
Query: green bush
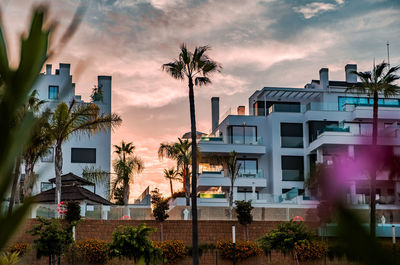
(134, 243)
(52, 239)
(243, 210)
(172, 250)
(285, 237)
(160, 206)
(73, 213)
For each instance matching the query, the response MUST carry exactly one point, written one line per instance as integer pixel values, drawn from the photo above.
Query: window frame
(74, 161)
(58, 92)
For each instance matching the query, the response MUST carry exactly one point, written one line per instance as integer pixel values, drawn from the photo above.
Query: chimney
(214, 113)
(241, 110)
(64, 69)
(350, 76)
(48, 69)
(324, 78)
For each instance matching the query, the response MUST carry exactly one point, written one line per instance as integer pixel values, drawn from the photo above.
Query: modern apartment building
(80, 151)
(288, 130)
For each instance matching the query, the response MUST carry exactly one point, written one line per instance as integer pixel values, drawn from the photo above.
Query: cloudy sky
(259, 43)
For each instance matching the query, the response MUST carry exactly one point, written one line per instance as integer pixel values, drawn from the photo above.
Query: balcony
(291, 142)
(240, 144)
(245, 179)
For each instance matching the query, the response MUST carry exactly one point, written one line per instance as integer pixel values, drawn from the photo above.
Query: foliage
(178, 194)
(125, 167)
(243, 210)
(133, 242)
(9, 258)
(171, 174)
(160, 206)
(307, 250)
(15, 86)
(284, 237)
(93, 251)
(73, 213)
(172, 250)
(52, 237)
(119, 196)
(20, 248)
(244, 249)
(97, 94)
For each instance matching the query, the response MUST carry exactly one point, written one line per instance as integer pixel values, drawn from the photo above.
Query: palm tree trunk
(187, 184)
(58, 163)
(126, 192)
(170, 185)
(14, 188)
(372, 190)
(230, 202)
(195, 252)
(28, 182)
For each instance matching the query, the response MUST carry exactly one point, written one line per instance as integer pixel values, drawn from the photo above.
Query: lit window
(53, 92)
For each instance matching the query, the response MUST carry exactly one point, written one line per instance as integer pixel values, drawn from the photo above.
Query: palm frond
(202, 81)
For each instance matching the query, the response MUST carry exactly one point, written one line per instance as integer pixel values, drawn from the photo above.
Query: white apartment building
(290, 129)
(80, 151)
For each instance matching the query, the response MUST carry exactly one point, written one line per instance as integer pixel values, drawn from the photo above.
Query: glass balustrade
(291, 142)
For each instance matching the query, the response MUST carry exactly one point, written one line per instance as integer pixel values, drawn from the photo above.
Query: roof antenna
(387, 47)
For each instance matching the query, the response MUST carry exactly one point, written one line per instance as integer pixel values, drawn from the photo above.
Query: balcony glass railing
(291, 142)
(334, 129)
(292, 175)
(244, 140)
(212, 139)
(252, 173)
(285, 107)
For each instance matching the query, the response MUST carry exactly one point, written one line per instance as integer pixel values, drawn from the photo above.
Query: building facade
(80, 151)
(288, 131)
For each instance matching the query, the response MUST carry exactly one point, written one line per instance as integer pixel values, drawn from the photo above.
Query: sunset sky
(259, 43)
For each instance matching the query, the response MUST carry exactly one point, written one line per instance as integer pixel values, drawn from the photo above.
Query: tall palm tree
(74, 119)
(38, 146)
(379, 81)
(125, 167)
(32, 105)
(196, 67)
(171, 174)
(180, 151)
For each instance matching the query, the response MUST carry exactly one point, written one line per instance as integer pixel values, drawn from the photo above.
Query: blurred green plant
(73, 213)
(9, 258)
(16, 85)
(243, 210)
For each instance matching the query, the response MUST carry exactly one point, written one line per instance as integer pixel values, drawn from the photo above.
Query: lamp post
(234, 243)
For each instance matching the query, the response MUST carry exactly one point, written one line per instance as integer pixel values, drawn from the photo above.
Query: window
(292, 168)
(388, 102)
(49, 156)
(243, 134)
(315, 126)
(45, 186)
(248, 168)
(292, 135)
(53, 92)
(83, 155)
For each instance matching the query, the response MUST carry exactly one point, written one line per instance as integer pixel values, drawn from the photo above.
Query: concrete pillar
(350, 76)
(34, 210)
(350, 151)
(83, 208)
(324, 78)
(253, 191)
(320, 155)
(234, 193)
(104, 212)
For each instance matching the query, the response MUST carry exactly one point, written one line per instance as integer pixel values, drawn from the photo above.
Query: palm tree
(379, 81)
(180, 151)
(38, 146)
(125, 167)
(32, 105)
(233, 167)
(171, 174)
(74, 119)
(196, 67)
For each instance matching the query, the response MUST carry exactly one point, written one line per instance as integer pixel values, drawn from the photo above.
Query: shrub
(172, 250)
(73, 213)
(52, 237)
(244, 249)
(133, 242)
(284, 237)
(19, 248)
(243, 210)
(306, 250)
(160, 206)
(178, 194)
(93, 251)
(9, 258)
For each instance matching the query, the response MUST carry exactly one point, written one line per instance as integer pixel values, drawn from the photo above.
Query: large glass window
(53, 92)
(45, 186)
(243, 134)
(83, 155)
(248, 168)
(292, 135)
(388, 102)
(292, 168)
